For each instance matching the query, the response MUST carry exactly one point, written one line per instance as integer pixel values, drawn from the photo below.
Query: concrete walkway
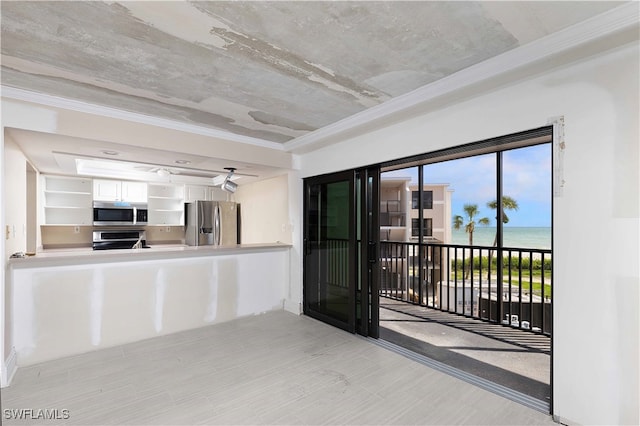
(513, 358)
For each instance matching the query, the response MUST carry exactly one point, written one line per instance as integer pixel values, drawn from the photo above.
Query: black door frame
(364, 238)
(308, 245)
(369, 182)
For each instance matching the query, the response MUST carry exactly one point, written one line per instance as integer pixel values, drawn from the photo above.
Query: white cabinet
(203, 192)
(115, 190)
(107, 190)
(195, 192)
(134, 191)
(67, 201)
(217, 194)
(166, 204)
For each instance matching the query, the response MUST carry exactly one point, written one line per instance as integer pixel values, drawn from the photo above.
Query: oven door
(118, 239)
(112, 245)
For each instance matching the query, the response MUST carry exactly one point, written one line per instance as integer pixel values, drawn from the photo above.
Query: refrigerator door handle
(200, 216)
(216, 223)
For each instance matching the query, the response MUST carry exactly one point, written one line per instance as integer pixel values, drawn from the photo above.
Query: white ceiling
(266, 72)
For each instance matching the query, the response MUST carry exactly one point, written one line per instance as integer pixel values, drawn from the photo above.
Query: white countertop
(86, 255)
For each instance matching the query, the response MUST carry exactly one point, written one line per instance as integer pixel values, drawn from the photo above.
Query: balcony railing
(510, 286)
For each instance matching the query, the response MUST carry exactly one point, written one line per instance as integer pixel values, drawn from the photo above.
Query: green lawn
(536, 282)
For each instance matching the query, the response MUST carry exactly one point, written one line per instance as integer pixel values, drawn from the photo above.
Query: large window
(427, 199)
(427, 225)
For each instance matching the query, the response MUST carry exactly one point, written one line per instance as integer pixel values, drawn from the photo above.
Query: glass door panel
(330, 255)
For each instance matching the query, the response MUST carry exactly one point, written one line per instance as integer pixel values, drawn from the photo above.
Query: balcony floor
(276, 368)
(513, 358)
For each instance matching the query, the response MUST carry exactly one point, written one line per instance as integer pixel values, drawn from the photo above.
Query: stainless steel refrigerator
(212, 223)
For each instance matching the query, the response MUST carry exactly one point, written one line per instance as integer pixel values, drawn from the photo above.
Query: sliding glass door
(330, 253)
(341, 250)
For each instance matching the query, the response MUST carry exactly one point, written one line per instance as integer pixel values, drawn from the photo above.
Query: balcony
(507, 286)
(481, 310)
(392, 214)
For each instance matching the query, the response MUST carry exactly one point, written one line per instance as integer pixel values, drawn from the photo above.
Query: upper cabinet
(202, 192)
(67, 201)
(217, 194)
(107, 190)
(166, 204)
(195, 192)
(115, 190)
(134, 191)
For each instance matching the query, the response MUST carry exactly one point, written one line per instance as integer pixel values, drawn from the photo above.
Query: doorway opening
(447, 254)
(466, 262)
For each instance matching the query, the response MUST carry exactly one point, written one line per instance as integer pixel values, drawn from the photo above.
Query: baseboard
(293, 307)
(9, 368)
(563, 421)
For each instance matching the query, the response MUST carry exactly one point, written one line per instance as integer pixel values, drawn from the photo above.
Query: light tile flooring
(275, 368)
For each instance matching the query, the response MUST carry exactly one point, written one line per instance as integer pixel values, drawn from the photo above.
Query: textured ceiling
(268, 70)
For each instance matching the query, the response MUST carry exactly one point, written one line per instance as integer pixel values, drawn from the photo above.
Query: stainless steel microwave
(119, 213)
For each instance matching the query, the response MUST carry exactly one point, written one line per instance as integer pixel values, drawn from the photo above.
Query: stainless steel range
(109, 239)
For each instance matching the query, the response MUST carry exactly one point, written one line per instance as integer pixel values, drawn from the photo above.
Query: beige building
(400, 214)
(400, 223)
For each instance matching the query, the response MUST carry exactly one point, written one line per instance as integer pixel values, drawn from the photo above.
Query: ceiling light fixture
(227, 185)
(106, 152)
(182, 162)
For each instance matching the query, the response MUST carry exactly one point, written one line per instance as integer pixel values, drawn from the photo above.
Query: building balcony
(508, 286)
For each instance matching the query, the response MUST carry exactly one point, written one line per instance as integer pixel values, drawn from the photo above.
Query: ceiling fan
(163, 171)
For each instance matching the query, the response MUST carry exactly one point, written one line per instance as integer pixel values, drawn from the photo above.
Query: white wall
(265, 211)
(13, 228)
(596, 221)
(293, 300)
(15, 187)
(75, 308)
(271, 212)
(14, 115)
(3, 296)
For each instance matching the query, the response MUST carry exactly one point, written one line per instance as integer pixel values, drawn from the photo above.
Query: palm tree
(471, 211)
(508, 203)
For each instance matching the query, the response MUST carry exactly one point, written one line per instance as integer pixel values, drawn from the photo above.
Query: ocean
(513, 236)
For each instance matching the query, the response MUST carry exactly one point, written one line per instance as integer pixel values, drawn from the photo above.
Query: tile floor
(275, 368)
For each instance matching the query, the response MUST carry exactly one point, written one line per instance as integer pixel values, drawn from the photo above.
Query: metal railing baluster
(402, 281)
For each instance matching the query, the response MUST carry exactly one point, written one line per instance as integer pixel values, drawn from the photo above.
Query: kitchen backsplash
(165, 234)
(54, 236)
(64, 236)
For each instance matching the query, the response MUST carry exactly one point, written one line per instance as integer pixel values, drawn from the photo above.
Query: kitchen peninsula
(67, 302)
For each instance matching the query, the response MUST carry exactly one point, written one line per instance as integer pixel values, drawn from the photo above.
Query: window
(428, 227)
(427, 199)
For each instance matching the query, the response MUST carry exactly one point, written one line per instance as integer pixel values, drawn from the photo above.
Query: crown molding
(84, 107)
(597, 27)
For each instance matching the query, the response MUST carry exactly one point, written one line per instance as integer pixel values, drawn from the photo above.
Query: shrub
(524, 265)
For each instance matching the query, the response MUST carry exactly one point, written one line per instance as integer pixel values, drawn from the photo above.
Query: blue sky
(526, 178)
